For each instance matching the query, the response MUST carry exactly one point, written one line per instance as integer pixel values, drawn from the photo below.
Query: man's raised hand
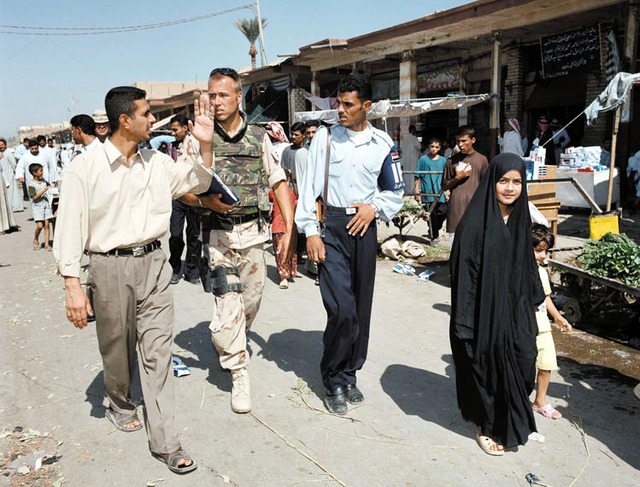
(202, 129)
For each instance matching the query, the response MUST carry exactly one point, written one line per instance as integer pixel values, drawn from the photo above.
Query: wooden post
(496, 71)
(614, 140)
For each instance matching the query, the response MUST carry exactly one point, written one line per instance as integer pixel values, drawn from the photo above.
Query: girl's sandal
(489, 446)
(548, 411)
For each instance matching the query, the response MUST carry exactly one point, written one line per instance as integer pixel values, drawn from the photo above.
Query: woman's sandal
(36, 245)
(548, 411)
(489, 446)
(172, 461)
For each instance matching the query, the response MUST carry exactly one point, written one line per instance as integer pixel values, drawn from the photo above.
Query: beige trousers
(233, 313)
(134, 309)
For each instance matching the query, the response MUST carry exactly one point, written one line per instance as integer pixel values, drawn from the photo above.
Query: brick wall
(512, 85)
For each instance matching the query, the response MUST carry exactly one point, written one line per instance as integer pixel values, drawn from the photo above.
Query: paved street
(408, 432)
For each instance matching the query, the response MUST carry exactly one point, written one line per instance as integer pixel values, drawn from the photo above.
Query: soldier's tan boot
(240, 391)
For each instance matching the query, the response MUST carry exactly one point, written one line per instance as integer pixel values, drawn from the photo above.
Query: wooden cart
(587, 293)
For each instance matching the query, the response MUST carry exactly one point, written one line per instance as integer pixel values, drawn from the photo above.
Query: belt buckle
(138, 251)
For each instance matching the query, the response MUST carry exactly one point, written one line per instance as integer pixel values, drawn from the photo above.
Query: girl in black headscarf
(495, 288)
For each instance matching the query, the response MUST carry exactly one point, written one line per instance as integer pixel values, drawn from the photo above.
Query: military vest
(240, 166)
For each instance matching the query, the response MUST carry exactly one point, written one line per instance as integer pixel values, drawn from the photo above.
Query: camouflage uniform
(246, 163)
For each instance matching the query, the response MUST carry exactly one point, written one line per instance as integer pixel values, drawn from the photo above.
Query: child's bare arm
(40, 194)
(560, 320)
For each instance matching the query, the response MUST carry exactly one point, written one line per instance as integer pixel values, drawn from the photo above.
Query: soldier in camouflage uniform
(245, 161)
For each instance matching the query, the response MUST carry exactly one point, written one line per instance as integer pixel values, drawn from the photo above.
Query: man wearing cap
(103, 129)
(115, 206)
(543, 136)
(246, 163)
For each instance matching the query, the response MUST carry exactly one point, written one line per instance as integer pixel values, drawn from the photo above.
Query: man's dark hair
(434, 139)
(356, 82)
(26, 139)
(121, 101)
(33, 142)
(312, 123)
(299, 126)
(466, 130)
(40, 137)
(541, 233)
(412, 129)
(180, 118)
(3, 140)
(33, 167)
(85, 123)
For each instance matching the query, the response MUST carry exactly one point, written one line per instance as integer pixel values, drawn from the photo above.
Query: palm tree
(251, 30)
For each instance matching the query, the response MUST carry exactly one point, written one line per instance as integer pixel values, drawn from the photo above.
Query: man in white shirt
(83, 131)
(35, 155)
(115, 205)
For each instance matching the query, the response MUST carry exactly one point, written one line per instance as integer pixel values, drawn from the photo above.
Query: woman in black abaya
(495, 288)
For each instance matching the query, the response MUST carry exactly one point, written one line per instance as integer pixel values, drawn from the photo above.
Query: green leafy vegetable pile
(410, 207)
(613, 256)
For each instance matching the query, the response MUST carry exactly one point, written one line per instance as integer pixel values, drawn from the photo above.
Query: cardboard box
(543, 191)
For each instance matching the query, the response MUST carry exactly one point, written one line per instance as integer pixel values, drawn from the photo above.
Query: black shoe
(193, 280)
(353, 394)
(175, 278)
(336, 401)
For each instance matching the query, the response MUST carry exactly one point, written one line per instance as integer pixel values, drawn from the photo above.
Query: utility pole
(263, 55)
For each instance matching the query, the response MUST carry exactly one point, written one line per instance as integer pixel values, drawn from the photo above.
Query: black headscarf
(495, 288)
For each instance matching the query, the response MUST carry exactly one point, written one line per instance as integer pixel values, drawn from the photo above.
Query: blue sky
(48, 78)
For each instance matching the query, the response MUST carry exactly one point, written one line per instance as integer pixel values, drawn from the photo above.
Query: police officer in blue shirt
(364, 183)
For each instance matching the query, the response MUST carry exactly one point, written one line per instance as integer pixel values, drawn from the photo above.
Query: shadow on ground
(291, 350)
(197, 340)
(430, 396)
(295, 351)
(96, 395)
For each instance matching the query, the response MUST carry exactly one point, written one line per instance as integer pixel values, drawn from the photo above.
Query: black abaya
(495, 288)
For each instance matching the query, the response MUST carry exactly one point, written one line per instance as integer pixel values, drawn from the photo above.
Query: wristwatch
(376, 210)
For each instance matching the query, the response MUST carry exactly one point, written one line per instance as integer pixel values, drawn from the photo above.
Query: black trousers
(181, 212)
(346, 285)
(438, 217)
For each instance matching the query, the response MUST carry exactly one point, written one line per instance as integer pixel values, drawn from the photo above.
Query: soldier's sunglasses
(232, 73)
